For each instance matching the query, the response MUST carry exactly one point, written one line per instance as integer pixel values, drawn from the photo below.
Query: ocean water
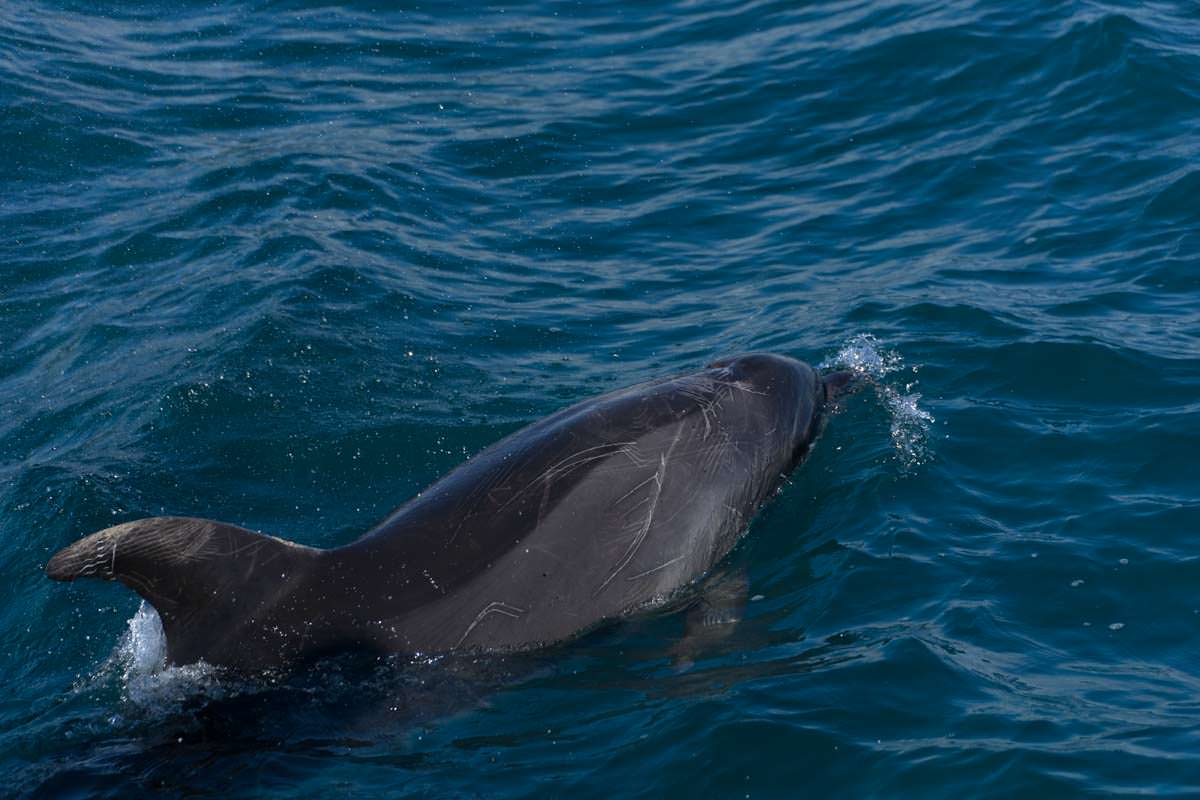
(284, 264)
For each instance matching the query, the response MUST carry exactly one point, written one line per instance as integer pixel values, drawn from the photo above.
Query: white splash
(865, 357)
(139, 662)
(870, 361)
(143, 648)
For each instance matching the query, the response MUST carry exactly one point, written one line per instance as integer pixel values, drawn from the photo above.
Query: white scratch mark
(640, 537)
(494, 607)
(652, 478)
(661, 566)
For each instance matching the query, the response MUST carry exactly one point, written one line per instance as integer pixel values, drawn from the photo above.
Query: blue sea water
(284, 264)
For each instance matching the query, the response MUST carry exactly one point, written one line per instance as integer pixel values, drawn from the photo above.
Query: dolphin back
(614, 504)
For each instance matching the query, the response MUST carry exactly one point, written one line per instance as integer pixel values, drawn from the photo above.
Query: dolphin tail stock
(199, 575)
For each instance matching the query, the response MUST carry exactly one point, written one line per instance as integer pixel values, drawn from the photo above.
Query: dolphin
(614, 504)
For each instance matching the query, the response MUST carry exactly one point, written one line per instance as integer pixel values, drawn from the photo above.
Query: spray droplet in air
(870, 361)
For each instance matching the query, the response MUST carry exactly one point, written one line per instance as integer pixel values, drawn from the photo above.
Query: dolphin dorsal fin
(206, 579)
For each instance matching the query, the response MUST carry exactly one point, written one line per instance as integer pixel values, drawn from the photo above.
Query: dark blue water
(283, 265)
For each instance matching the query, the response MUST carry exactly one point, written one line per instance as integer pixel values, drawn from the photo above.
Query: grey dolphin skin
(608, 506)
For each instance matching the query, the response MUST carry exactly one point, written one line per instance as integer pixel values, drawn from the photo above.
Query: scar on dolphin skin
(658, 477)
(494, 607)
(653, 570)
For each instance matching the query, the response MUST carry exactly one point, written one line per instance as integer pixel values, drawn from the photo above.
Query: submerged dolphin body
(610, 505)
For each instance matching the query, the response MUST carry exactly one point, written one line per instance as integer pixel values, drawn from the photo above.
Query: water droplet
(870, 361)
